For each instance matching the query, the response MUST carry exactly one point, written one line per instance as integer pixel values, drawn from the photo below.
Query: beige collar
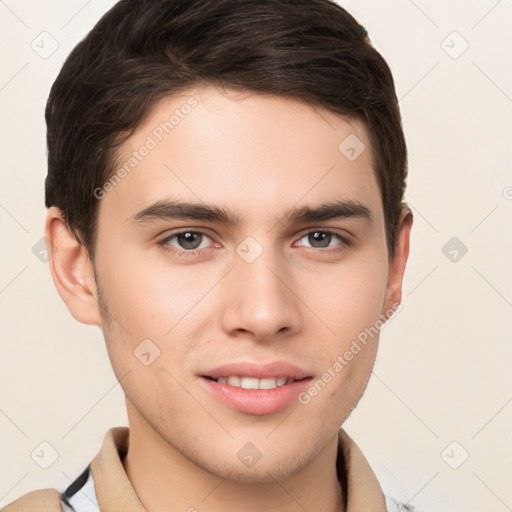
(114, 490)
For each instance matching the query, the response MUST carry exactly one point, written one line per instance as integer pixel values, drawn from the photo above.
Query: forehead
(258, 154)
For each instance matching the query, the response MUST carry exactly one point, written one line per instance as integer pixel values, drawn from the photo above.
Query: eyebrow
(174, 209)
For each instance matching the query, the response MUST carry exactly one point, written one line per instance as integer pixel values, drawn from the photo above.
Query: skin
(258, 156)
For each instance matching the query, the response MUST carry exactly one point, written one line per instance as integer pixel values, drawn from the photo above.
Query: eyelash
(164, 243)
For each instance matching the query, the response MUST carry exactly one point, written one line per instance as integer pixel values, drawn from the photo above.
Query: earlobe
(72, 270)
(398, 263)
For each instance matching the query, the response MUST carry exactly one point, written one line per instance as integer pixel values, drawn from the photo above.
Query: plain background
(441, 389)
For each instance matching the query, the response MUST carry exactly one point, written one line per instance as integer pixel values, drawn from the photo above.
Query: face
(242, 247)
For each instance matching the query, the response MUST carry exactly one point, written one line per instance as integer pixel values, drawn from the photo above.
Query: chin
(261, 475)
(267, 469)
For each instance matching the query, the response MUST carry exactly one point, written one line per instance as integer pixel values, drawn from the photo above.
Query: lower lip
(256, 401)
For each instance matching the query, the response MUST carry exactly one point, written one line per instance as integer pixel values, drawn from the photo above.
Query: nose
(259, 299)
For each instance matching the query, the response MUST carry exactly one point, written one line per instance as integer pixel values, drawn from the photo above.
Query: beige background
(443, 372)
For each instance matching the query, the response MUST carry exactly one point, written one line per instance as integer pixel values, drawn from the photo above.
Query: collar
(115, 492)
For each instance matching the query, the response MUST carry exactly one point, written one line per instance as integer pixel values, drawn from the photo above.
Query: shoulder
(398, 497)
(42, 500)
(52, 500)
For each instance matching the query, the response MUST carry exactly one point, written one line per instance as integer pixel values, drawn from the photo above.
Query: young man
(225, 192)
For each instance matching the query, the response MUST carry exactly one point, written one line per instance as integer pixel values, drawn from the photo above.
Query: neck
(165, 479)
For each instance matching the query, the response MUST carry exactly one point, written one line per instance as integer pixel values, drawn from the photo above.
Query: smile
(254, 383)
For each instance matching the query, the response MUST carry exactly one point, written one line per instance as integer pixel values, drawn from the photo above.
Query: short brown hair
(143, 50)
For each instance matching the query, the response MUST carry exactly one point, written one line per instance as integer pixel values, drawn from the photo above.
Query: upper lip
(260, 371)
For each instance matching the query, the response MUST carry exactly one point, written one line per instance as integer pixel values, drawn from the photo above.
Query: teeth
(254, 383)
(234, 381)
(267, 384)
(249, 383)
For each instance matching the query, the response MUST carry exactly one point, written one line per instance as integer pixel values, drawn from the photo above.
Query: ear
(397, 263)
(72, 270)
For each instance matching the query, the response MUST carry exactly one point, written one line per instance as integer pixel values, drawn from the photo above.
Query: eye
(185, 242)
(321, 239)
(190, 243)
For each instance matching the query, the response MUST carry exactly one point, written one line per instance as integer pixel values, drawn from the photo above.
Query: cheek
(348, 297)
(153, 299)
(148, 364)
(155, 310)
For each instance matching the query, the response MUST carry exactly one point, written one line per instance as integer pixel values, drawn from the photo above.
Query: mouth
(243, 382)
(255, 389)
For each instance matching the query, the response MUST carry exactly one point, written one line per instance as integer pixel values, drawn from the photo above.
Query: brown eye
(322, 239)
(185, 242)
(189, 239)
(319, 237)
